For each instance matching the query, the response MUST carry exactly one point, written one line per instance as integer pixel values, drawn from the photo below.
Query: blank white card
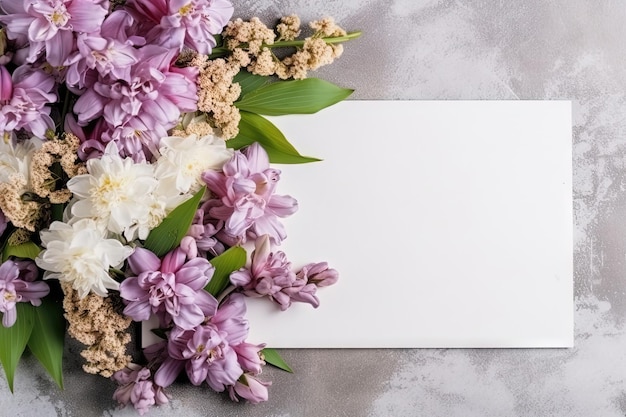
(450, 223)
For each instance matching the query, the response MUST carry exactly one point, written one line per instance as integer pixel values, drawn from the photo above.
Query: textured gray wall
(444, 49)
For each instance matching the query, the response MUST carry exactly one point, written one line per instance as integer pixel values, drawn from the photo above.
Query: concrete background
(445, 49)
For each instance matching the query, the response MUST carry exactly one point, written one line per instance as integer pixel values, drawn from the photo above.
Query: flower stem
(221, 51)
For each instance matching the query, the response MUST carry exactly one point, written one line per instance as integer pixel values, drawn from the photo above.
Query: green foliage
(13, 340)
(255, 128)
(249, 82)
(27, 250)
(229, 261)
(273, 358)
(306, 96)
(48, 337)
(174, 227)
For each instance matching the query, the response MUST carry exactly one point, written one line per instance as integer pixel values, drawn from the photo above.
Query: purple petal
(139, 310)
(32, 292)
(142, 260)
(282, 205)
(9, 317)
(59, 47)
(189, 317)
(173, 261)
(241, 278)
(224, 371)
(130, 289)
(168, 372)
(207, 303)
(258, 161)
(196, 273)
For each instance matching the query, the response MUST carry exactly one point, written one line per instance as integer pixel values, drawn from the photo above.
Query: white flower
(183, 160)
(81, 254)
(117, 193)
(15, 160)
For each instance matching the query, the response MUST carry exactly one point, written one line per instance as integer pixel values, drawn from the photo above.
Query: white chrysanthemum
(81, 254)
(16, 159)
(116, 192)
(183, 160)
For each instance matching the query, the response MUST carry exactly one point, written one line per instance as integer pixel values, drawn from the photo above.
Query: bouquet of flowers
(137, 184)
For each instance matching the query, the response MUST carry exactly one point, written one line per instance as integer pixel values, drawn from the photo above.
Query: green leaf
(249, 82)
(273, 358)
(47, 340)
(13, 340)
(229, 261)
(27, 250)
(174, 227)
(160, 333)
(305, 96)
(255, 128)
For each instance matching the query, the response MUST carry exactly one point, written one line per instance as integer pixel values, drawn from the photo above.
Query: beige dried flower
(289, 28)
(21, 211)
(63, 152)
(95, 322)
(217, 94)
(265, 63)
(254, 33)
(327, 28)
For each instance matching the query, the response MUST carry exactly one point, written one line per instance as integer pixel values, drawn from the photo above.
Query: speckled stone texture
(445, 49)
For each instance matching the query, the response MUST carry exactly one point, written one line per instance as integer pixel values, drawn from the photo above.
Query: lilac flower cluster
(120, 64)
(204, 340)
(246, 207)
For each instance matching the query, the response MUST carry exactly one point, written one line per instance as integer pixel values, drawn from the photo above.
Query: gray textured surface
(430, 49)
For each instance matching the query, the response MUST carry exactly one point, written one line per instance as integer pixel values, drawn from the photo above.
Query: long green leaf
(174, 227)
(229, 261)
(13, 340)
(255, 128)
(47, 340)
(249, 82)
(273, 358)
(305, 96)
(27, 250)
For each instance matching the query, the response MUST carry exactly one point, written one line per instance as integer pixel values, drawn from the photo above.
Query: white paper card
(450, 223)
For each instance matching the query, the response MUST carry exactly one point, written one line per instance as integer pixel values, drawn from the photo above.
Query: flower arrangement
(138, 183)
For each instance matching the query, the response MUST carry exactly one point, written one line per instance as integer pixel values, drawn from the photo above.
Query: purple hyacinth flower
(173, 288)
(137, 388)
(246, 192)
(138, 110)
(319, 274)
(207, 352)
(26, 108)
(49, 26)
(17, 284)
(177, 23)
(270, 275)
(249, 356)
(250, 388)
